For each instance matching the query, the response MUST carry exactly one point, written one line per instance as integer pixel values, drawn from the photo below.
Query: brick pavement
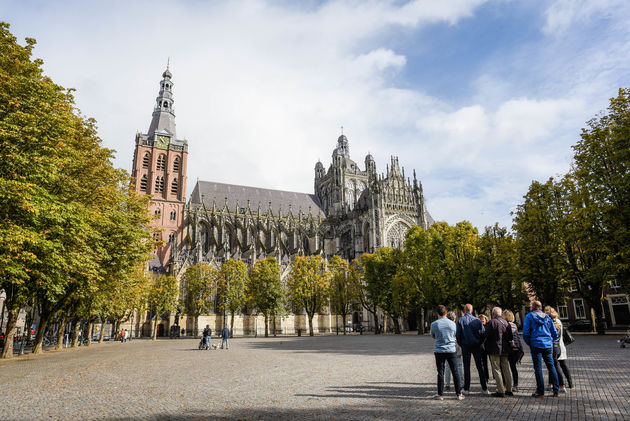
(334, 378)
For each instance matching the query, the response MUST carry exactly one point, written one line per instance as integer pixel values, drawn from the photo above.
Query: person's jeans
(447, 373)
(440, 359)
(556, 364)
(207, 341)
(538, 356)
(224, 342)
(500, 363)
(476, 352)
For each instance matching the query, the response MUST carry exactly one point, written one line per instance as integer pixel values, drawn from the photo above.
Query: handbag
(567, 338)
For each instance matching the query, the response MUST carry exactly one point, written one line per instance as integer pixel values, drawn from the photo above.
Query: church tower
(159, 169)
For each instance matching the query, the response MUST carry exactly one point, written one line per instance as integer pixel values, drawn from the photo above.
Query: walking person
(443, 331)
(225, 334)
(207, 335)
(540, 333)
(559, 352)
(498, 346)
(517, 348)
(458, 361)
(470, 335)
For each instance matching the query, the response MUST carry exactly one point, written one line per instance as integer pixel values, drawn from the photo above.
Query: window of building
(578, 304)
(165, 104)
(173, 215)
(159, 184)
(156, 236)
(174, 186)
(171, 238)
(614, 284)
(573, 286)
(563, 312)
(176, 164)
(157, 212)
(161, 162)
(143, 183)
(146, 160)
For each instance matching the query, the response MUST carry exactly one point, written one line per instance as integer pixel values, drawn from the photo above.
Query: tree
(162, 298)
(231, 283)
(308, 286)
(343, 290)
(266, 290)
(367, 296)
(198, 291)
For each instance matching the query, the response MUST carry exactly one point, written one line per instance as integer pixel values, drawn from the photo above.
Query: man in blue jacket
(470, 336)
(540, 333)
(225, 334)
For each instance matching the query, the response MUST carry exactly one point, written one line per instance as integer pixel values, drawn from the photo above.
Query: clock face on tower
(162, 142)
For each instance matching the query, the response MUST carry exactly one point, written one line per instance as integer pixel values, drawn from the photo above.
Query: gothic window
(143, 183)
(396, 235)
(176, 164)
(171, 238)
(174, 186)
(173, 215)
(165, 104)
(161, 162)
(159, 184)
(145, 160)
(158, 212)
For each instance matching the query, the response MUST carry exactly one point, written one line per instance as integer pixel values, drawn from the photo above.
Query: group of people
(123, 335)
(207, 338)
(497, 339)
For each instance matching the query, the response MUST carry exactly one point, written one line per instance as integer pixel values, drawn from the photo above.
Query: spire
(163, 120)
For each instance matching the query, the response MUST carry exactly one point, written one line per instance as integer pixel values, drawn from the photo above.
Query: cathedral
(352, 210)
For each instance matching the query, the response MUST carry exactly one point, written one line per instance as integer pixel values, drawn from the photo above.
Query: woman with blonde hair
(517, 348)
(559, 351)
(484, 354)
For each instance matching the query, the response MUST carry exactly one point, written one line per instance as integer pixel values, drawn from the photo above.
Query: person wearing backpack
(498, 346)
(560, 351)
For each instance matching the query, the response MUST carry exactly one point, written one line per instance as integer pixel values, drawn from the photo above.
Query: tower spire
(163, 119)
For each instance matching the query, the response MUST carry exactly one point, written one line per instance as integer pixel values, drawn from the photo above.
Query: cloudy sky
(480, 97)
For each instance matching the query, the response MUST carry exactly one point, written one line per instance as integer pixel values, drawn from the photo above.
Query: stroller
(625, 340)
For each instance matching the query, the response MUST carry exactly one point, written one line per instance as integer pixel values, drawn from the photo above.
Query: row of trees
(73, 235)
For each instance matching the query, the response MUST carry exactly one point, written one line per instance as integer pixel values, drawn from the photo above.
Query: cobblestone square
(329, 378)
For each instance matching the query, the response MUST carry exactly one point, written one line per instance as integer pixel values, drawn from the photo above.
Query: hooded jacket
(538, 330)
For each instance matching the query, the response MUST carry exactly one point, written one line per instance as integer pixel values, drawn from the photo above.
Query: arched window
(165, 104)
(174, 186)
(143, 183)
(146, 160)
(161, 162)
(173, 215)
(176, 164)
(157, 212)
(171, 238)
(159, 184)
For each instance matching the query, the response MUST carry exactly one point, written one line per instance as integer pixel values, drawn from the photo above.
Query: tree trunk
(310, 325)
(41, 330)
(377, 327)
(231, 324)
(155, 323)
(75, 333)
(89, 333)
(343, 325)
(396, 325)
(274, 325)
(196, 326)
(101, 334)
(12, 316)
(421, 322)
(600, 322)
(60, 332)
(266, 326)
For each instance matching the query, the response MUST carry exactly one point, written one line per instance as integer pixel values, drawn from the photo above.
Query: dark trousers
(513, 359)
(561, 366)
(538, 356)
(440, 359)
(482, 369)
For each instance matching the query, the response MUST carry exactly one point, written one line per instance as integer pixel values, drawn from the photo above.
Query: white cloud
(562, 14)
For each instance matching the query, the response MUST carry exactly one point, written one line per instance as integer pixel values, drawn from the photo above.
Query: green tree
(162, 298)
(343, 289)
(265, 289)
(366, 294)
(308, 286)
(198, 290)
(231, 283)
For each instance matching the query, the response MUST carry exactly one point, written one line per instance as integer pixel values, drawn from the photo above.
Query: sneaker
(438, 397)
(515, 389)
(497, 395)
(460, 397)
(485, 392)
(509, 394)
(537, 395)
(563, 390)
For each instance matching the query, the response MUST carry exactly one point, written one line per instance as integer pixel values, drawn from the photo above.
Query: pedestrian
(484, 355)
(126, 335)
(498, 346)
(559, 352)
(470, 335)
(458, 361)
(225, 334)
(207, 335)
(121, 335)
(443, 331)
(540, 333)
(517, 353)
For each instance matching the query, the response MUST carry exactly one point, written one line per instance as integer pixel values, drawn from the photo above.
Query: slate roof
(217, 192)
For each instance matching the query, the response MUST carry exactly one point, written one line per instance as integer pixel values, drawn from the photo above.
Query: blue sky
(479, 96)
